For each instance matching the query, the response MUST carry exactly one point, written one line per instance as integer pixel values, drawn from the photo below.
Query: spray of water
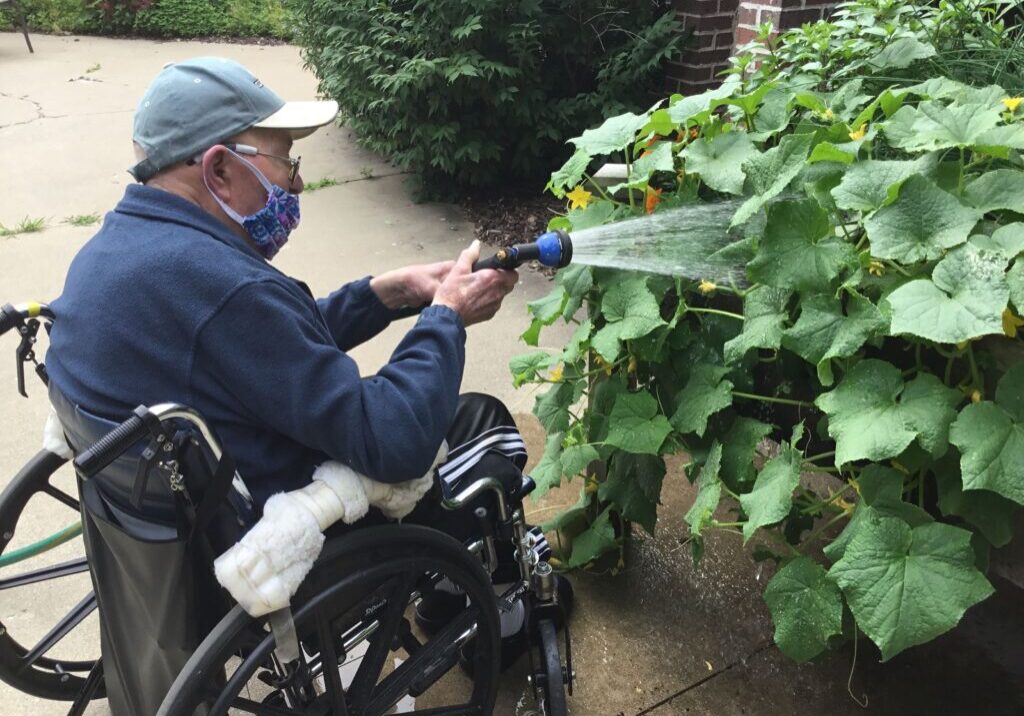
(692, 241)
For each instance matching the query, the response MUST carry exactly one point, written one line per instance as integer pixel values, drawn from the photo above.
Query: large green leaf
(576, 458)
(740, 445)
(764, 316)
(806, 607)
(570, 174)
(552, 407)
(577, 281)
(547, 473)
(869, 184)
(824, 332)
(689, 107)
(631, 311)
(704, 395)
(658, 158)
(615, 134)
(524, 367)
(964, 299)
(905, 585)
(770, 172)
(988, 512)
(990, 437)
(634, 484)
(799, 249)
(772, 496)
(933, 125)
(1007, 240)
(873, 416)
(1015, 285)
(709, 493)
(922, 222)
(719, 160)
(999, 189)
(593, 214)
(635, 424)
(595, 541)
(901, 53)
(547, 308)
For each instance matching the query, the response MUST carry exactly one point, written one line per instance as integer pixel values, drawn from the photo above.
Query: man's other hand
(476, 297)
(411, 286)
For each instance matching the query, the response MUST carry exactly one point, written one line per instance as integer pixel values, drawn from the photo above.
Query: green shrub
(162, 18)
(466, 93)
(874, 333)
(892, 41)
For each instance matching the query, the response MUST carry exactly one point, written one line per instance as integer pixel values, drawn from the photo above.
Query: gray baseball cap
(195, 104)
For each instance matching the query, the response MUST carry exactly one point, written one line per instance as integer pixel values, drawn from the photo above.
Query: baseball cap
(192, 105)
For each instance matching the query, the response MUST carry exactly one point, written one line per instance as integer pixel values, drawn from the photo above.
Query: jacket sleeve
(355, 314)
(268, 347)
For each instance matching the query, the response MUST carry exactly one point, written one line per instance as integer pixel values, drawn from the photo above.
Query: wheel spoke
(425, 666)
(329, 667)
(380, 644)
(64, 569)
(60, 630)
(61, 496)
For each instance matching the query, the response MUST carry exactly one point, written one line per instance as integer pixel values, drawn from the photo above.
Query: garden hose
(553, 249)
(43, 545)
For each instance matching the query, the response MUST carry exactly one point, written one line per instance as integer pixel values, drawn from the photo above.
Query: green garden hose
(43, 545)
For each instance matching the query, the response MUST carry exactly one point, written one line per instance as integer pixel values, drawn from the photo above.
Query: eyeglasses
(250, 150)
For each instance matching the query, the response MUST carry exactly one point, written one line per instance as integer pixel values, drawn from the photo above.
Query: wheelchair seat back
(152, 575)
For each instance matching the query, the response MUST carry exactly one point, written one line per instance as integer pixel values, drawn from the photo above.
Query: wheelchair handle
(13, 316)
(145, 420)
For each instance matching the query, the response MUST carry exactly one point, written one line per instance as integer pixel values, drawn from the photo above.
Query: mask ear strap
(252, 167)
(238, 218)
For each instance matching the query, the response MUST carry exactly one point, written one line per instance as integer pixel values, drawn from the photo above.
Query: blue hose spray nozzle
(553, 249)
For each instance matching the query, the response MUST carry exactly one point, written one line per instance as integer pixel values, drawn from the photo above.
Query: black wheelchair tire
(551, 663)
(353, 560)
(44, 678)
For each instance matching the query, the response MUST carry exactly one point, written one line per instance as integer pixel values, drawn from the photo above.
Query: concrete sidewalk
(660, 638)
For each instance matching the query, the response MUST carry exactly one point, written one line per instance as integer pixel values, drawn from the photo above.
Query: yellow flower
(975, 396)
(845, 506)
(578, 198)
(828, 114)
(876, 268)
(859, 134)
(603, 364)
(631, 368)
(962, 345)
(1011, 322)
(706, 286)
(1012, 102)
(556, 374)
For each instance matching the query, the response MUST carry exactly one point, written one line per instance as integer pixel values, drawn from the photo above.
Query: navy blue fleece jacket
(165, 303)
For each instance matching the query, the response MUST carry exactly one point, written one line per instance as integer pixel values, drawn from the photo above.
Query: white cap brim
(301, 118)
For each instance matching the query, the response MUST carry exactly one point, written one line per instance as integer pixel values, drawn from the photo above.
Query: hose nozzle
(552, 249)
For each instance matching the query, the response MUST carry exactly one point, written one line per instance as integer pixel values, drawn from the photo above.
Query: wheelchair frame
(536, 585)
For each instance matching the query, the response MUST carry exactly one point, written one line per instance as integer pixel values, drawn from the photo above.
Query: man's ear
(216, 171)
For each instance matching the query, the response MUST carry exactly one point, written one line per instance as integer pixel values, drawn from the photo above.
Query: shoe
(514, 646)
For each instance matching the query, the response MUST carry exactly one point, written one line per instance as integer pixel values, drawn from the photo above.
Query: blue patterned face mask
(269, 227)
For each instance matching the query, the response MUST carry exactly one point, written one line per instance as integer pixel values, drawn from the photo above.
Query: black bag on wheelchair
(150, 549)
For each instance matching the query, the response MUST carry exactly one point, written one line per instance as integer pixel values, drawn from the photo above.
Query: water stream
(692, 241)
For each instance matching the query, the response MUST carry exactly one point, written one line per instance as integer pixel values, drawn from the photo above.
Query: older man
(175, 300)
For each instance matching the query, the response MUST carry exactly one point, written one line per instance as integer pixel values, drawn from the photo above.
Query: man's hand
(410, 286)
(476, 297)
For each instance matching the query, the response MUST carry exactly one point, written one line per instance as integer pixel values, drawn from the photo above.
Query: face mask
(269, 227)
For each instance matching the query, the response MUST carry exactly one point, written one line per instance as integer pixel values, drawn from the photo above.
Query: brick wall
(717, 27)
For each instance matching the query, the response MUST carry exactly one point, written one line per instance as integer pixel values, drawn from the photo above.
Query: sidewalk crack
(700, 682)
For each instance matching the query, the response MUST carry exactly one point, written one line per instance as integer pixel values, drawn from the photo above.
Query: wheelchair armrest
(460, 500)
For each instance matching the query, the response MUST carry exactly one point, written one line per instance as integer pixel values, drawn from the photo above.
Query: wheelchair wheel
(37, 566)
(361, 652)
(552, 691)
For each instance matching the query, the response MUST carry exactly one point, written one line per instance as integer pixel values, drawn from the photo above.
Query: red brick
(746, 16)
(709, 56)
(743, 36)
(728, 6)
(796, 18)
(723, 39)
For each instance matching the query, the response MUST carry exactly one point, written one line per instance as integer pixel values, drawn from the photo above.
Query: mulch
(511, 218)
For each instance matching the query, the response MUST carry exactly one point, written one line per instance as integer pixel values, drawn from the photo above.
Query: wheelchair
(348, 643)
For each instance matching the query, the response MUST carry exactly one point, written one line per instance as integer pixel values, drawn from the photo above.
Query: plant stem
(716, 312)
(817, 533)
(812, 458)
(975, 379)
(600, 189)
(770, 399)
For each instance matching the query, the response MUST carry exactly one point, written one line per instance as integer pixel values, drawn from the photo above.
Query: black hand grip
(112, 445)
(9, 318)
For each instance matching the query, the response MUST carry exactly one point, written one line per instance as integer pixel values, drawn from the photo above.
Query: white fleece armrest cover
(53, 437)
(265, 568)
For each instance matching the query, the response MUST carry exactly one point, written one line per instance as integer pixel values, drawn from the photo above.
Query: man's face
(251, 196)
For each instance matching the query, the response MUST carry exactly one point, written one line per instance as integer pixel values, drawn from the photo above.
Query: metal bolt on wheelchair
(349, 644)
